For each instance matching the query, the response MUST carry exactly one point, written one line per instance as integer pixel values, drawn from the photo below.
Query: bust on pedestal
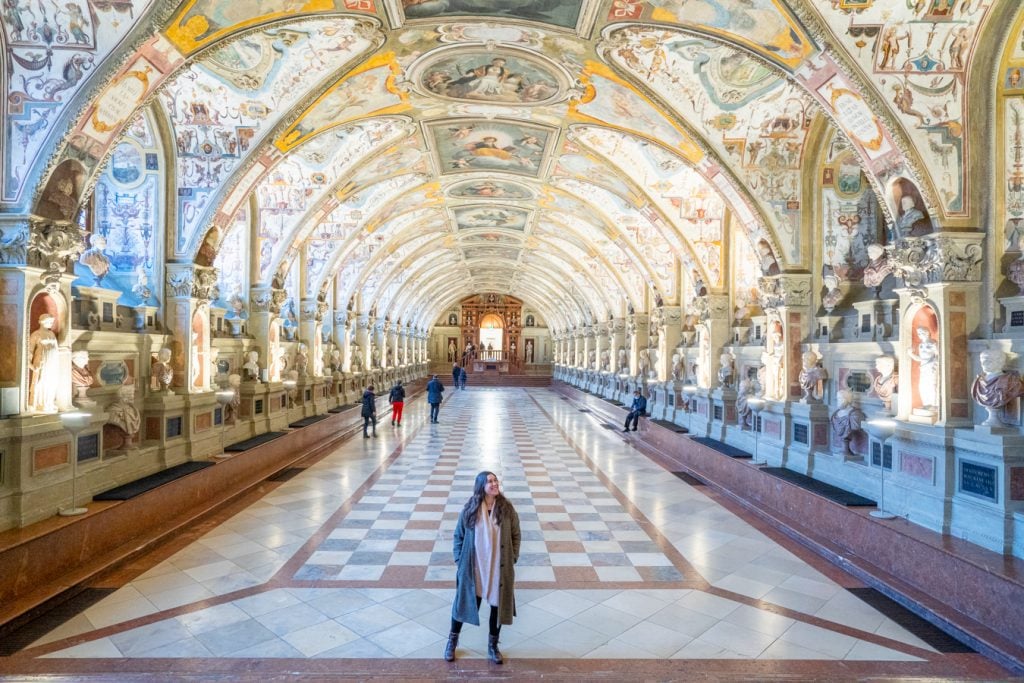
(846, 423)
(81, 378)
(995, 387)
(812, 378)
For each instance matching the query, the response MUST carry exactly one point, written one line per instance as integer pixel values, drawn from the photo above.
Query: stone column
(616, 341)
(363, 324)
(639, 333)
(265, 325)
(668, 320)
(188, 294)
(342, 338)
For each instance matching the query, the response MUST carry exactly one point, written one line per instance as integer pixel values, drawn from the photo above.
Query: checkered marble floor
(621, 560)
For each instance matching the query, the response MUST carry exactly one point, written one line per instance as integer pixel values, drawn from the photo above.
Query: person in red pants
(397, 400)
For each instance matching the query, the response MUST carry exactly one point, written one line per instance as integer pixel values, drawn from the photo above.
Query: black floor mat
(286, 474)
(613, 402)
(833, 493)
(925, 630)
(584, 410)
(140, 486)
(689, 478)
(22, 632)
(723, 448)
(253, 442)
(337, 409)
(671, 426)
(306, 421)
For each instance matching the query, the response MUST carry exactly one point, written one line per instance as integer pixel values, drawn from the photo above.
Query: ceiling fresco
(586, 156)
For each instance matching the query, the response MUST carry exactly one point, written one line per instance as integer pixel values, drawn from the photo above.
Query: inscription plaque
(978, 480)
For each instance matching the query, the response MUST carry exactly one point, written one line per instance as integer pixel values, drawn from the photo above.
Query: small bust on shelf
(885, 382)
(161, 371)
(124, 417)
(1015, 272)
(996, 386)
(251, 367)
(725, 371)
(301, 360)
(81, 376)
(812, 377)
(846, 421)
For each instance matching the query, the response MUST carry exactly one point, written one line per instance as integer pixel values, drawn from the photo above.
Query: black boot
(365, 435)
(449, 649)
(493, 653)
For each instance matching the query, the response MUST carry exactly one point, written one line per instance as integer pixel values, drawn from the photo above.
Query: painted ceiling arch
(612, 150)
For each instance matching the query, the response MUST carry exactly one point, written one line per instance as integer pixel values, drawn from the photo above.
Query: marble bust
(846, 421)
(995, 386)
(927, 358)
(725, 371)
(81, 376)
(251, 367)
(886, 381)
(123, 415)
(161, 371)
(811, 378)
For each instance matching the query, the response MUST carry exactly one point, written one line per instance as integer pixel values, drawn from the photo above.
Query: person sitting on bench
(636, 410)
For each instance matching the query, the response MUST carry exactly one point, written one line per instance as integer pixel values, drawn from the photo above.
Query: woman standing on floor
(486, 549)
(369, 411)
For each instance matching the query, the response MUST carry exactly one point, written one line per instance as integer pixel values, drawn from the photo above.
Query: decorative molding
(192, 281)
(14, 244)
(53, 246)
(784, 290)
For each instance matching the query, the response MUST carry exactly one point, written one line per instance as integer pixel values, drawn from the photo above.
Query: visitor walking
(369, 411)
(462, 378)
(486, 549)
(397, 400)
(434, 392)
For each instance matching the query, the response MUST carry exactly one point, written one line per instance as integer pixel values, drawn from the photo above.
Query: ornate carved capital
(340, 318)
(784, 290)
(321, 310)
(710, 306)
(259, 300)
(188, 280)
(52, 246)
(14, 243)
(307, 309)
(908, 259)
(363, 322)
(953, 257)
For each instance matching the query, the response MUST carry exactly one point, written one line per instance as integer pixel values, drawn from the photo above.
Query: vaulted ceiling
(585, 156)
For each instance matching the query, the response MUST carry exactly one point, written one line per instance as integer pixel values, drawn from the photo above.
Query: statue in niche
(592, 360)
(81, 377)
(746, 390)
(605, 360)
(94, 259)
(652, 364)
(251, 367)
(996, 386)
(812, 377)
(773, 359)
(926, 356)
(357, 358)
(231, 409)
(197, 370)
(390, 358)
(161, 372)
(1015, 272)
(301, 360)
(725, 371)
(846, 421)
(44, 366)
(451, 351)
(886, 381)
(623, 361)
(280, 364)
(335, 364)
(374, 355)
(123, 415)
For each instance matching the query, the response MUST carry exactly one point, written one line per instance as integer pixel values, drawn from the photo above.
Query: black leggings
(492, 623)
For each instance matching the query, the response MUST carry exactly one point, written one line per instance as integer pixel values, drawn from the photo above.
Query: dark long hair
(477, 499)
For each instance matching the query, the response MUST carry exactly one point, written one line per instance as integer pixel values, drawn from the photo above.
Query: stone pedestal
(988, 487)
(828, 328)
(254, 408)
(1013, 316)
(808, 432)
(95, 308)
(163, 425)
(723, 412)
(877, 320)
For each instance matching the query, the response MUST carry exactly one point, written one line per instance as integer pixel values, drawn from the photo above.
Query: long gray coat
(464, 607)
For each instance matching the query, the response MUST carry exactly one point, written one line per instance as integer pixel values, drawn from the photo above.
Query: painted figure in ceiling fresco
(499, 147)
(562, 13)
(759, 21)
(492, 79)
(491, 189)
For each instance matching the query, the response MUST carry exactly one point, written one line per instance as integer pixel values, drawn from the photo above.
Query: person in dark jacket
(456, 371)
(369, 411)
(636, 410)
(434, 392)
(397, 400)
(486, 548)
(462, 378)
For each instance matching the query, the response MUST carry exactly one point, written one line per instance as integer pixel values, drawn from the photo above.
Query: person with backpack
(435, 390)
(462, 377)
(636, 411)
(397, 400)
(369, 411)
